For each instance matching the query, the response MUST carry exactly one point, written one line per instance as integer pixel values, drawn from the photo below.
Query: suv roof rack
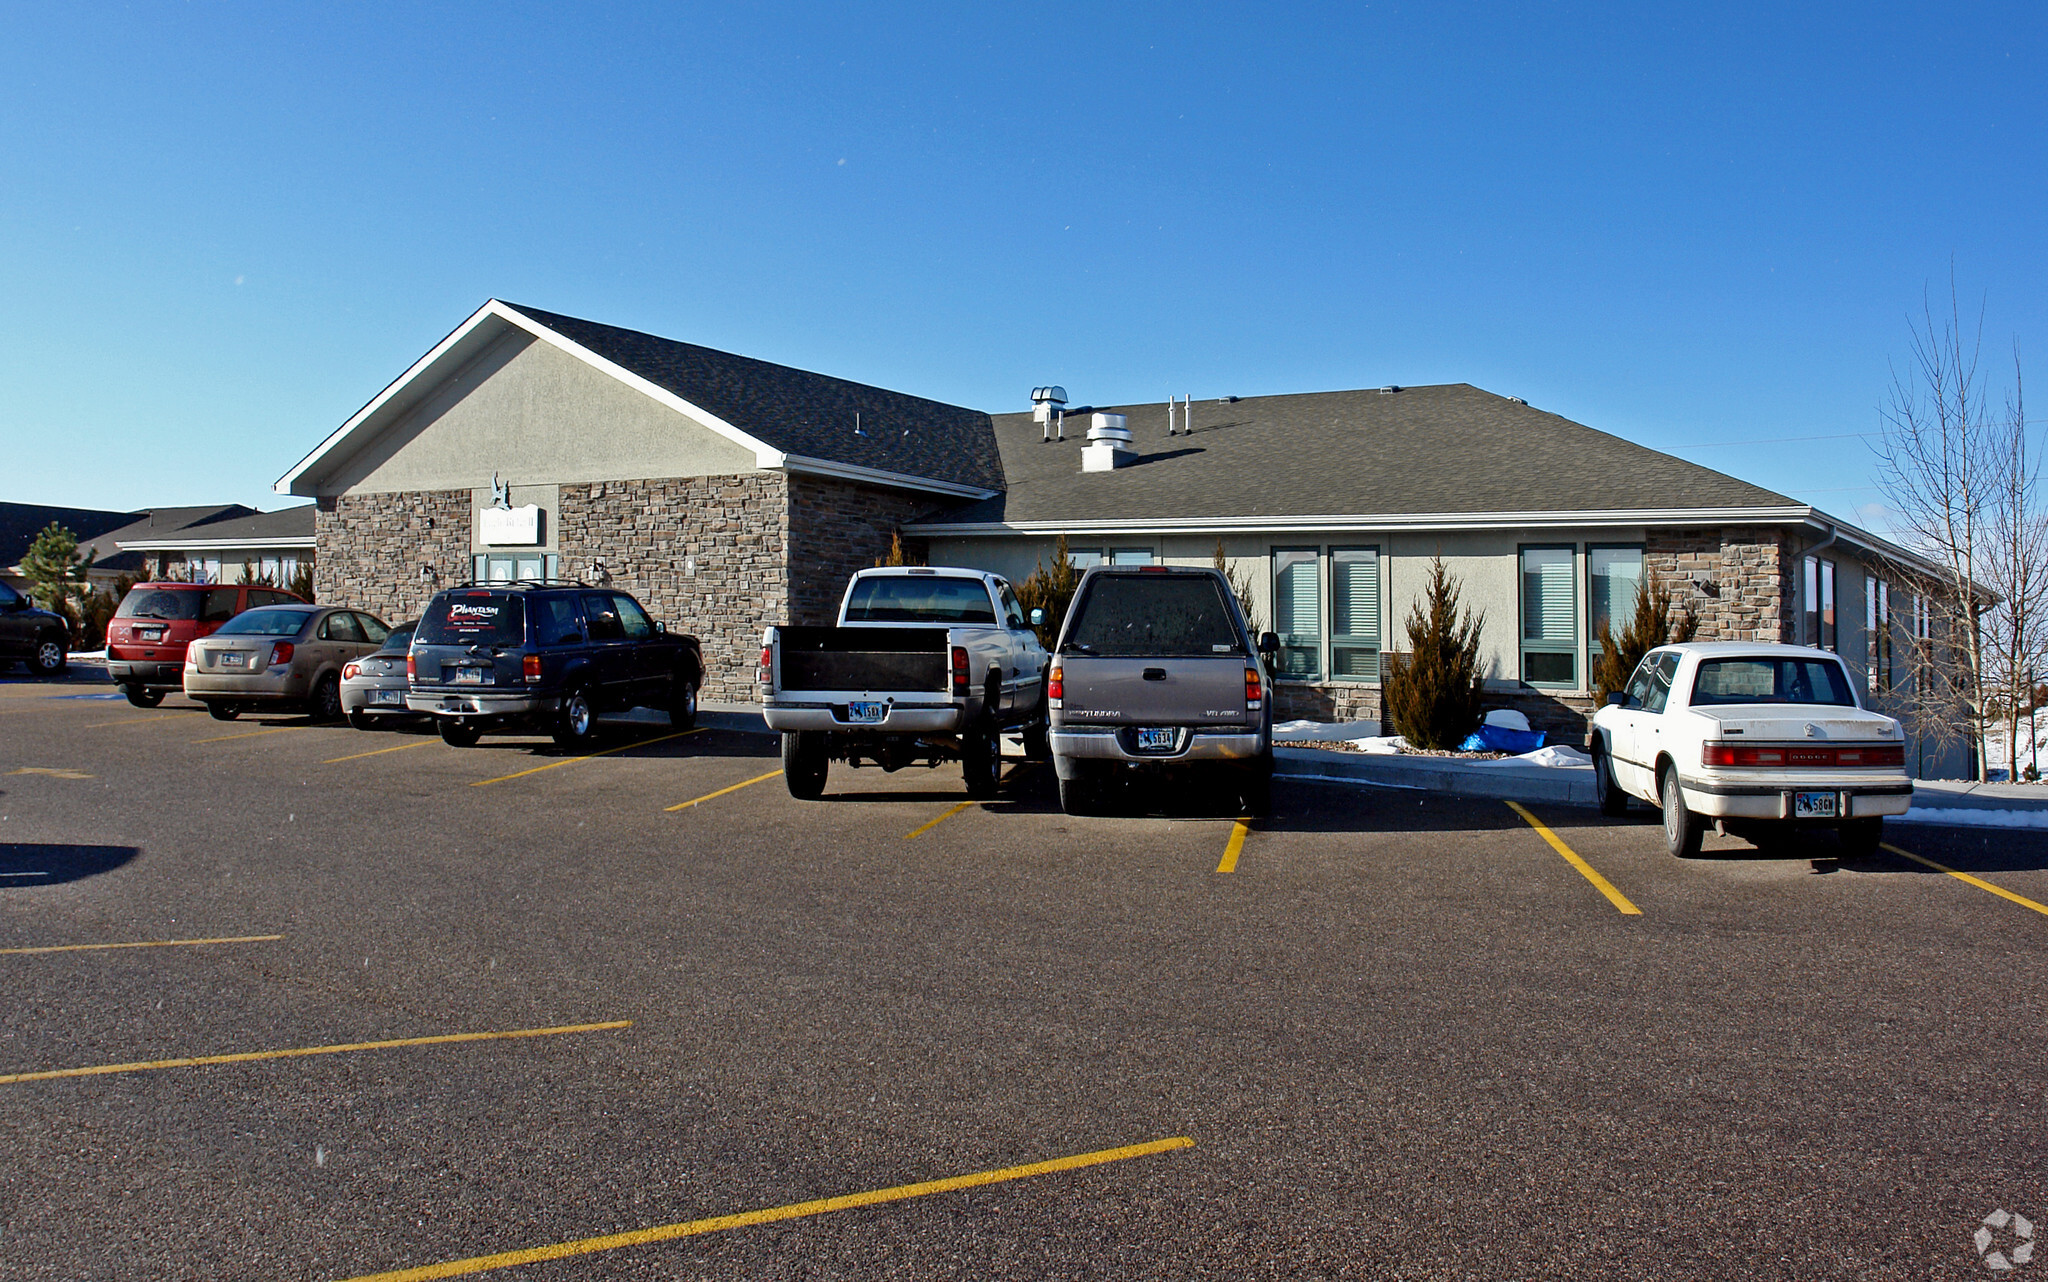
(518, 583)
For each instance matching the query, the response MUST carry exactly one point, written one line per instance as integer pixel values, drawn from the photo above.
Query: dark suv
(36, 637)
(547, 656)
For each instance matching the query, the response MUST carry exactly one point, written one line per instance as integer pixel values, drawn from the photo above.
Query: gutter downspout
(1834, 532)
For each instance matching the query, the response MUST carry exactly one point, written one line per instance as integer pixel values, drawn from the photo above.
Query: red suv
(146, 638)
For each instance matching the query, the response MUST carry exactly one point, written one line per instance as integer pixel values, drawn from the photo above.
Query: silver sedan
(373, 687)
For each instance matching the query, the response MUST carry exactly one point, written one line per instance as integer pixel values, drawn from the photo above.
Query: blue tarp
(1502, 739)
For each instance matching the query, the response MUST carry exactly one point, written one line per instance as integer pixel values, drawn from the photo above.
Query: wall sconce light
(426, 573)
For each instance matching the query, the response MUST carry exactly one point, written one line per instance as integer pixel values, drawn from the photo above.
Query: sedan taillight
(280, 654)
(351, 670)
(1740, 756)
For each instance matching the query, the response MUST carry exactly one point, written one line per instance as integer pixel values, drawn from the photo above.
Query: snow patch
(1324, 731)
(1507, 719)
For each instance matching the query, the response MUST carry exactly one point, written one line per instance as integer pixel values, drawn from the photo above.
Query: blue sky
(224, 227)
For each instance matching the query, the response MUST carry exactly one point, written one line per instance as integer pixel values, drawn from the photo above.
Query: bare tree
(2015, 570)
(1938, 459)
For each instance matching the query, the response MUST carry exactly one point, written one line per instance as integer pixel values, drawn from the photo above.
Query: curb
(1553, 785)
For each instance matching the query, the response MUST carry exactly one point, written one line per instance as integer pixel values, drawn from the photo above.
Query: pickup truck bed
(859, 660)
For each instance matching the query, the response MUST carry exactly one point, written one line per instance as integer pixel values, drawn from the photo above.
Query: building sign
(498, 527)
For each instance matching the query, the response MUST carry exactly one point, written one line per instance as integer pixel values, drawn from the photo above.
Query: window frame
(1592, 633)
(1322, 634)
(1523, 648)
(1877, 633)
(1332, 641)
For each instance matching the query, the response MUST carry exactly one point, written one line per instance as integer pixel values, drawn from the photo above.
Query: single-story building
(730, 493)
(225, 547)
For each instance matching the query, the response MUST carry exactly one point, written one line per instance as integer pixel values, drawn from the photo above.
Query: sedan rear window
(1144, 615)
(474, 618)
(161, 603)
(1763, 680)
(919, 599)
(264, 623)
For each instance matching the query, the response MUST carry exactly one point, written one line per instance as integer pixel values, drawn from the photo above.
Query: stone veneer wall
(841, 527)
(370, 548)
(732, 530)
(1736, 584)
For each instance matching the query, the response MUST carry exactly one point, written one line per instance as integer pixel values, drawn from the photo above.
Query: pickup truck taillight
(1734, 755)
(530, 668)
(280, 654)
(1253, 692)
(1056, 687)
(767, 664)
(959, 670)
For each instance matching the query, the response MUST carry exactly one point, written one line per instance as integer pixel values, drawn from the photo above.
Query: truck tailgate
(864, 659)
(1181, 691)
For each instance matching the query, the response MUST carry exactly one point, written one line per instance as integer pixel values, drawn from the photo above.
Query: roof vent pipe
(1048, 408)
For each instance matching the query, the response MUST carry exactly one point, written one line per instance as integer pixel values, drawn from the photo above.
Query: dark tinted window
(473, 618)
(340, 626)
(603, 617)
(373, 627)
(638, 626)
(558, 620)
(161, 603)
(1762, 680)
(221, 604)
(916, 598)
(398, 642)
(1661, 675)
(268, 622)
(1143, 615)
(9, 597)
(264, 596)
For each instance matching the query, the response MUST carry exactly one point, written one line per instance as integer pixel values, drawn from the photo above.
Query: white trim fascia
(1378, 521)
(876, 476)
(198, 545)
(765, 456)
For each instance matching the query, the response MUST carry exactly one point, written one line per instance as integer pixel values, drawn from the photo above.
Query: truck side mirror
(1269, 644)
(1617, 698)
(1037, 617)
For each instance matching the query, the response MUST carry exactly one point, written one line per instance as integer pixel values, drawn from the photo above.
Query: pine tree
(1431, 695)
(58, 575)
(1649, 627)
(1051, 591)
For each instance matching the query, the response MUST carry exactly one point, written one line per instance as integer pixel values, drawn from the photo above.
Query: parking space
(303, 1002)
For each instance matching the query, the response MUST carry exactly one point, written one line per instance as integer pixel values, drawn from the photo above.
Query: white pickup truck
(927, 664)
(1751, 738)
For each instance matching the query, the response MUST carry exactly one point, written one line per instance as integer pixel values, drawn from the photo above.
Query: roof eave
(809, 466)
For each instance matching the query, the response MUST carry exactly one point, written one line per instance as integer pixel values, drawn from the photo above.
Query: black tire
(981, 762)
(1256, 791)
(143, 696)
(1682, 828)
(223, 711)
(49, 658)
(1861, 837)
(682, 701)
(804, 764)
(457, 735)
(362, 721)
(324, 704)
(1038, 731)
(1080, 796)
(576, 723)
(1612, 800)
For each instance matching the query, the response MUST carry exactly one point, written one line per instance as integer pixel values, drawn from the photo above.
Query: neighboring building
(20, 523)
(730, 493)
(233, 543)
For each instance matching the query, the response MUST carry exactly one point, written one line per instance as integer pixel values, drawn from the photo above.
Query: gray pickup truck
(1156, 673)
(927, 664)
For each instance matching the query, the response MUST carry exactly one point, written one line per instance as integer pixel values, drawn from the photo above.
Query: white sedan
(1752, 738)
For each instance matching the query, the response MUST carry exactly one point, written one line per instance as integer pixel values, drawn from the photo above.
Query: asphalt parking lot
(293, 1001)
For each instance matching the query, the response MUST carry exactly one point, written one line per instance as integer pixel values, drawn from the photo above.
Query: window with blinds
(1550, 613)
(1355, 614)
(1298, 611)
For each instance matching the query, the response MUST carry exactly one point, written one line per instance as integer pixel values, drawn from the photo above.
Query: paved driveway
(500, 1004)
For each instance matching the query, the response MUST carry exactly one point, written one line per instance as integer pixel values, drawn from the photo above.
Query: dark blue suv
(549, 656)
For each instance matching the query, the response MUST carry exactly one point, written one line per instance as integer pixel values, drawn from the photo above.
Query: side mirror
(1269, 644)
(1617, 698)
(660, 628)
(1037, 618)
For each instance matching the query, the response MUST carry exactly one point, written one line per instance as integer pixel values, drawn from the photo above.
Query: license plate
(232, 660)
(865, 713)
(149, 634)
(472, 677)
(1155, 739)
(1813, 805)
(387, 696)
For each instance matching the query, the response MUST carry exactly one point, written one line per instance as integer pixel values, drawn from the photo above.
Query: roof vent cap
(1518, 400)
(1046, 402)
(1109, 444)
(1390, 388)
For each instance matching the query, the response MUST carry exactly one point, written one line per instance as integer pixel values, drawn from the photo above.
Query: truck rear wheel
(1079, 797)
(804, 764)
(981, 762)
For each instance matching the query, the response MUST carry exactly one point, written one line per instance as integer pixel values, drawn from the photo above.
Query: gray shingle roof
(802, 413)
(1451, 449)
(235, 522)
(21, 522)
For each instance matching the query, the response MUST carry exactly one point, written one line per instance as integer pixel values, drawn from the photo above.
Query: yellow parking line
(685, 805)
(250, 734)
(773, 1215)
(1238, 832)
(1605, 887)
(1979, 883)
(378, 752)
(602, 752)
(922, 829)
(245, 1057)
(147, 943)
